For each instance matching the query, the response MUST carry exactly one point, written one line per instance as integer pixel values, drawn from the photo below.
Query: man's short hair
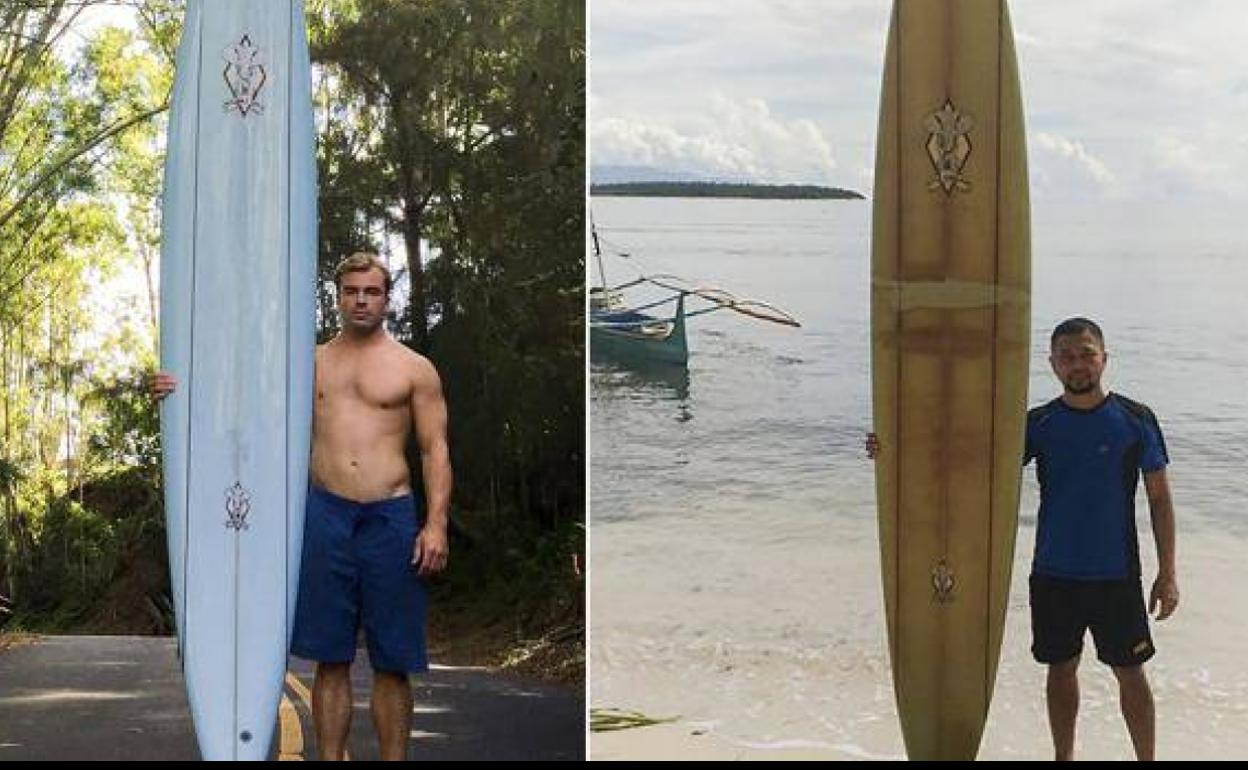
(361, 262)
(1077, 325)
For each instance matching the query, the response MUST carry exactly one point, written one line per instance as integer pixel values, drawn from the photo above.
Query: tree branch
(70, 157)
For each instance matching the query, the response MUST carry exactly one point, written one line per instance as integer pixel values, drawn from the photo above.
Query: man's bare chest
(354, 387)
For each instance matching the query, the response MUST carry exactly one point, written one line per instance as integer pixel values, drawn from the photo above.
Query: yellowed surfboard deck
(950, 324)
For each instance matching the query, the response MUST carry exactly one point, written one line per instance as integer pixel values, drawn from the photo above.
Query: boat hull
(618, 336)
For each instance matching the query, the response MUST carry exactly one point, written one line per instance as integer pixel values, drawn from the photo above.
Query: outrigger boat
(624, 332)
(633, 334)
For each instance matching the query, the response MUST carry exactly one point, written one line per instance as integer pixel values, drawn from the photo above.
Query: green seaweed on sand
(606, 720)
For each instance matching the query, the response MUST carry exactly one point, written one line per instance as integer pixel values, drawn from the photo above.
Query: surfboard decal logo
(245, 77)
(949, 147)
(237, 506)
(943, 583)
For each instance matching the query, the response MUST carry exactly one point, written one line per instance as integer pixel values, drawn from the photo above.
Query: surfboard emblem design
(949, 147)
(237, 506)
(943, 583)
(244, 76)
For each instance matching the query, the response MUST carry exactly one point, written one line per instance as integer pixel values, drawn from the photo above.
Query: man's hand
(873, 446)
(1165, 595)
(160, 385)
(431, 551)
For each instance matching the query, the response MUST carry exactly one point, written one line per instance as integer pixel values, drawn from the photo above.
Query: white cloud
(1141, 98)
(619, 141)
(1197, 164)
(1060, 164)
(1173, 153)
(729, 138)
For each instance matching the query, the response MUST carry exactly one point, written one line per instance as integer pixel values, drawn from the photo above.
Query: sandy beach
(804, 672)
(734, 572)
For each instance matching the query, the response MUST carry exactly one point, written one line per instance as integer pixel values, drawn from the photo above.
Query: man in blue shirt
(1090, 449)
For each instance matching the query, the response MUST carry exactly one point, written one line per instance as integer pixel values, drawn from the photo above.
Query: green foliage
(79, 185)
(452, 127)
(128, 435)
(88, 539)
(458, 127)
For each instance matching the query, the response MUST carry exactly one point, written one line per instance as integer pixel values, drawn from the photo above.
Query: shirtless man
(365, 552)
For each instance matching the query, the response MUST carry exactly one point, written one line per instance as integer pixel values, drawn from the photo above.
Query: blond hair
(361, 262)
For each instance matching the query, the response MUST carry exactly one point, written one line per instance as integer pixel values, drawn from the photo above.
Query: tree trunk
(148, 255)
(69, 434)
(418, 321)
(6, 507)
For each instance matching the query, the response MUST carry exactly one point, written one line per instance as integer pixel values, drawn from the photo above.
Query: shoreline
(690, 742)
(823, 689)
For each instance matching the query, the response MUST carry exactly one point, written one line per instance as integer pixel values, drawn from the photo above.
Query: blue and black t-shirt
(1088, 463)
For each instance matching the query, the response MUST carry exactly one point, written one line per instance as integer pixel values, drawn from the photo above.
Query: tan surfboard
(950, 324)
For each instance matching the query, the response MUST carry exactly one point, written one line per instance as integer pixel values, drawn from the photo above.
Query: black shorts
(1062, 610)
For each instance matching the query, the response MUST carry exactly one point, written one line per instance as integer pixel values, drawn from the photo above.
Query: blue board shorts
(357, 570)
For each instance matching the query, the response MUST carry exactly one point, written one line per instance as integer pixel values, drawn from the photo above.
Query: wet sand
(772, 646)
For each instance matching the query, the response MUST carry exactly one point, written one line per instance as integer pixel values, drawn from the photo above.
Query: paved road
(115, 698)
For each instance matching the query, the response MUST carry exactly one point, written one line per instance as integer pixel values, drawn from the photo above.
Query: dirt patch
(512, 601)
(462, 637)
(135, 604)
(11, 641)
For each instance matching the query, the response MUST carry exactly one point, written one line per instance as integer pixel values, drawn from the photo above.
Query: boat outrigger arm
(629, 332)
(720, 299)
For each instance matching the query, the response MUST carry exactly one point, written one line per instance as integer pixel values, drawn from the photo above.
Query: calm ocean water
(733, 517)
(777, 414)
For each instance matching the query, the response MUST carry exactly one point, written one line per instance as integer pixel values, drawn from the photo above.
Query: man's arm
(1161, 509)
(429, 419)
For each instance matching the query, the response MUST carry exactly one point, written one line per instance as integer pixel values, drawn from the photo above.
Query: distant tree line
(724, 190)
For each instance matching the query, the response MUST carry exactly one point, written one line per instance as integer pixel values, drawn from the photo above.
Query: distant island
(724, 190)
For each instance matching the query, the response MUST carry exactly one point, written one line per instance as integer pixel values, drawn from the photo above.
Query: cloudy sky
(1124, 99)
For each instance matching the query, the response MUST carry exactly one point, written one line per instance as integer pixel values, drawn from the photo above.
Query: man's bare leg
(1062, 691)
(331, 709)
(1136, 700)
(392, 714)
